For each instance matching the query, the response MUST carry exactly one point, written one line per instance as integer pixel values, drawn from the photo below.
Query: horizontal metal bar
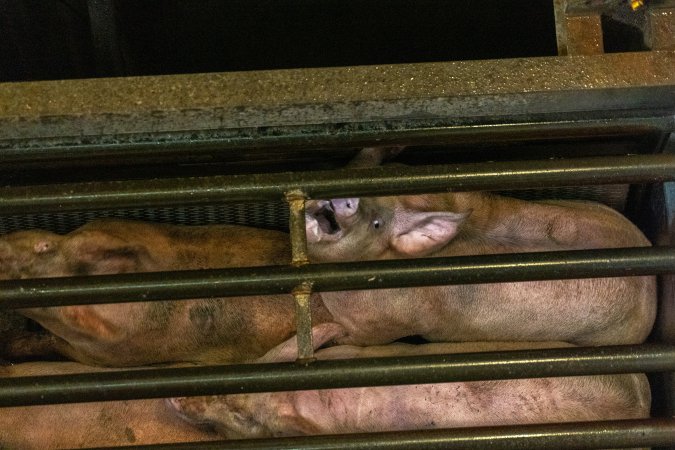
(141, 287)
(247, 378)
(570, 436)
(388, 180)
(518, 86)
(215, 145)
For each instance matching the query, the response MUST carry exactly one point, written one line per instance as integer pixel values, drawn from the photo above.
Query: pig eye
(376, 223)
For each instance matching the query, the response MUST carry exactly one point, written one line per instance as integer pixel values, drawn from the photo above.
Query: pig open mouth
(325, 217)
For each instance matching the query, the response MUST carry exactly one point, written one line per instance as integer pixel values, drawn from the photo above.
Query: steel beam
(387, 180)
(331, 374)
(153, 286)
(570, 436)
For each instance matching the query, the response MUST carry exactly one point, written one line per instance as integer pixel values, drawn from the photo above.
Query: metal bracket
(660, 27)
(578, 31)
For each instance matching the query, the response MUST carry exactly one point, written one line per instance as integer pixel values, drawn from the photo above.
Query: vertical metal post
(296, 202)
(578, 31)
(660, 27)
(303, 292)
(303, 321)
(105, 36)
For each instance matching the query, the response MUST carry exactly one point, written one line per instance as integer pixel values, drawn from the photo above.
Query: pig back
(586, 311)
(208, 330)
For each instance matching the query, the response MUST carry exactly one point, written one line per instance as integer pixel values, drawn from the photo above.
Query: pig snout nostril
(345, 207)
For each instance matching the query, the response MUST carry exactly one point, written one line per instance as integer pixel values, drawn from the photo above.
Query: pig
(219, 330)
(94, 424)
(605, 311)
(423, 406)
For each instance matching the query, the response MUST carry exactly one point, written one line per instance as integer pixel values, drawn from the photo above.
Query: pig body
(196, 330)
(426, 406)
(85, 425)
(587, 311)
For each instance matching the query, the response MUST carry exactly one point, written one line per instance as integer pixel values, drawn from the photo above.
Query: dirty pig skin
(197, 330)
(85, 425)
(602, 311)
(424, 406)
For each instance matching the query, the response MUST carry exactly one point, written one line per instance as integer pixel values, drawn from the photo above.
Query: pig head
(442, 405)
(587, 312)
(206, 330)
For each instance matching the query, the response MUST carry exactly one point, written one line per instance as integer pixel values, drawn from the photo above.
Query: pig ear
(288, 350)
(97, 253)
(421, 233)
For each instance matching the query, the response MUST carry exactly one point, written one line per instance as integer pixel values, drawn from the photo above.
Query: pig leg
(288, 350)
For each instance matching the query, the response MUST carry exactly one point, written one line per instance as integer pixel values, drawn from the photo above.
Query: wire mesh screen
(272, 215)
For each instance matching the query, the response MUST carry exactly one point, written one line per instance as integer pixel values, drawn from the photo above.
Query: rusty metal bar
(303, 292)
(142, 287)
(296, 202)
(332, 374)
(209, 145)
(118, 108)
(303, 321)
(388, 180)
(570, 436)
(578, 30)
(660, 27)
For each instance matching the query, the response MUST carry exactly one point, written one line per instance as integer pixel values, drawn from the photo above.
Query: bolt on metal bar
(334, 374)
(570, 436)
(388, 180)
(141, 287)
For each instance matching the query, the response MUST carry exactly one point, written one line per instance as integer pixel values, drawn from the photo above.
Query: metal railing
(300, 278)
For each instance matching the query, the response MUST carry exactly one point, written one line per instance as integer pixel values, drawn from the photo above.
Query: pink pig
(424, 406)
(602, 311)
(195, 330)
(84, 425)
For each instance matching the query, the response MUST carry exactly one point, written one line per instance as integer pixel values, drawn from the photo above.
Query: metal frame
(250, 378)
(581, 435)
(210, 116)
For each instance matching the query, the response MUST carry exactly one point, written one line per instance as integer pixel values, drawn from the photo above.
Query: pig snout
(344, 207)
(326, 219)
(190, 409)
(321, 223)
(229, 417)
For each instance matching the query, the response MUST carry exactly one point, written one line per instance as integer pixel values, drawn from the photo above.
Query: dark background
(52, 39)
